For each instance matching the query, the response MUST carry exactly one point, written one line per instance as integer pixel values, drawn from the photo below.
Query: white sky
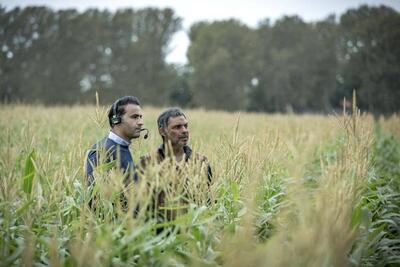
(247, 11)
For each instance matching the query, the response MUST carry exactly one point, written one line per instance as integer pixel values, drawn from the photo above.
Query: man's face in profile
(131, 122)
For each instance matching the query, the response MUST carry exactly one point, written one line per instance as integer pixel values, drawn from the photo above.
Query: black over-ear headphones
(115, 119)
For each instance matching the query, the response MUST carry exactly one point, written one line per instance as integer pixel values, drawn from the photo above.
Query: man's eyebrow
(180, 124)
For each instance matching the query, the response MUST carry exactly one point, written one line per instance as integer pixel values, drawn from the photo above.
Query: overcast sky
(249, 11)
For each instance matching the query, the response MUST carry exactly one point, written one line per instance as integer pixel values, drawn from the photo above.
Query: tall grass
(287, 190)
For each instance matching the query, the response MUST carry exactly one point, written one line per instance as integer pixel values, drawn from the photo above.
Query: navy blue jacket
(115, 155)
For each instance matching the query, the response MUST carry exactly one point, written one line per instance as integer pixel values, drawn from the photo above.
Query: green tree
(62, 56)
(297, 65)
(140, 41)
(221, 59)
(370, 57)
(181, 93)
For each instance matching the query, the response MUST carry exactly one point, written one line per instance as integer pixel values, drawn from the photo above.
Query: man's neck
(127, 142)
(177, 151)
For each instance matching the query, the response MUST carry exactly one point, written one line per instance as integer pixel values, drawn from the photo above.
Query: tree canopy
(63, 56)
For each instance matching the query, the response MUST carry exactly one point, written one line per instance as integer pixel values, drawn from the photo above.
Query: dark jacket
(115, 155)
(112, 152)
(188, 153)
(160, 195)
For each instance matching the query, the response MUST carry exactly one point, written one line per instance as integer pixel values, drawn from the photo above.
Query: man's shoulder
(104, 145)
(148, 158)
(200, 157)
(203, 161)
(145, 158)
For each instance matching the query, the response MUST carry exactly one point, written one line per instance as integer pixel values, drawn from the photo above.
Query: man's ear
(161, 131)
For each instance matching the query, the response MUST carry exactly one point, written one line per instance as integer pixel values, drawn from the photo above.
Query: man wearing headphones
(126, 120)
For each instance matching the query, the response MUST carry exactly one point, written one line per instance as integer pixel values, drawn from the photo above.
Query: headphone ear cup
(115, 120)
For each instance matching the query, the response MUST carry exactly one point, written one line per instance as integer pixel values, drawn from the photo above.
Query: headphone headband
(115, 104)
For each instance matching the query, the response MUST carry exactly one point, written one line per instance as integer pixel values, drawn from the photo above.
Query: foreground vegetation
(287, 190)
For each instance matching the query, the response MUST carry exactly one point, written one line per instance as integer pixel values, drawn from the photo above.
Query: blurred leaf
(196, 233)
(29, 173)
(23, 207)
(235, 190)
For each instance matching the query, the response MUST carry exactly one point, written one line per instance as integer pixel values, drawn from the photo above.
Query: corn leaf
(29, 173)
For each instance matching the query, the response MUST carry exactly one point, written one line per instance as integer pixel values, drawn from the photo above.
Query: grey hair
(162, 120)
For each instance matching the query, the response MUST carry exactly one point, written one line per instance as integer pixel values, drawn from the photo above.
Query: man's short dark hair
(162, 120)
(118, 107)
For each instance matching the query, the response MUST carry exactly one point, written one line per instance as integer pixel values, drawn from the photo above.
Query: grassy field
(288, 190)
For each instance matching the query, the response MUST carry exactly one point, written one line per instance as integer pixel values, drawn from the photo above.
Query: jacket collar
(186, 149)
(117, 139)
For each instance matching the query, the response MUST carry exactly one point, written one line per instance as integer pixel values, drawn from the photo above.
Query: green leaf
(361, 216)
(235, 190)
(196, 233)
(23, 207)
(106, 166)
(29, 173)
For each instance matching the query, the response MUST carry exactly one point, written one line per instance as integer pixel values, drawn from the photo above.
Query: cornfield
(287, 190)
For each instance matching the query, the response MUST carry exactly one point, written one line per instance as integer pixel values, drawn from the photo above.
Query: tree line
(64, 56)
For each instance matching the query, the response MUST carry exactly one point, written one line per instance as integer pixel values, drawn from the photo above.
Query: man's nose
(141, 121)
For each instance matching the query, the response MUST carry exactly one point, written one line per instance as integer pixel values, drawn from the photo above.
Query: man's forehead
(133, 109)
(177, 120)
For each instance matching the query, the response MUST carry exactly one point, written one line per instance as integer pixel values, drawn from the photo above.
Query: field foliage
(287, 190)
